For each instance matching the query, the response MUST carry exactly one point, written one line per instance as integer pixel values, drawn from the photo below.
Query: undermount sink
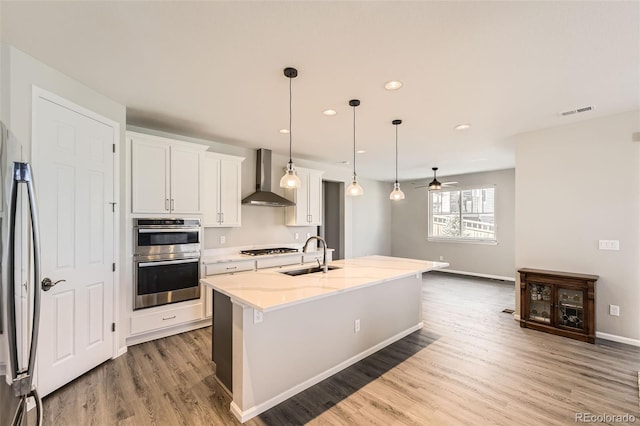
(304, 271)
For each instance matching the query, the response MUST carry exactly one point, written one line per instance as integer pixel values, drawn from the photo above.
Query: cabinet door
(539, 303)
(210, 191)
(298, 215)
(570, 308)
(230, 192)
(314, 194)
(185, 180)
(149, 176)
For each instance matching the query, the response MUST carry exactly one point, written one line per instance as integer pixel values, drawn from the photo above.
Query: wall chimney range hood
(263, 195)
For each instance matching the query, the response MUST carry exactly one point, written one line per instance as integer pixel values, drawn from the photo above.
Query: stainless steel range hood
(263, 195)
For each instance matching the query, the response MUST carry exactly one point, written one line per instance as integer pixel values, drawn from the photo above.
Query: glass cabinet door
(570, 312)
(539, 303)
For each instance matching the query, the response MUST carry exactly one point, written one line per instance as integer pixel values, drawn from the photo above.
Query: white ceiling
(214, 70)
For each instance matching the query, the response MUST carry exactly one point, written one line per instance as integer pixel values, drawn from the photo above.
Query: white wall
(19, 73)
(367, 218)
(409, 225)
(575, 185)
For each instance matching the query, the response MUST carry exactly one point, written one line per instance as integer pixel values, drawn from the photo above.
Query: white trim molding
(476, 274)
(619, 339)
(166, 332)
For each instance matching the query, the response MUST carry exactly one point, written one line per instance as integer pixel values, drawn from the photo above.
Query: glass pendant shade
(396, 194)
(354, 189)
(290, 180)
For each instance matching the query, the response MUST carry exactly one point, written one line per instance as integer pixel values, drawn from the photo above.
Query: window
(462, 215)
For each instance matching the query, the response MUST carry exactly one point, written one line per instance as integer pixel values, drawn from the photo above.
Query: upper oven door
(166, 240)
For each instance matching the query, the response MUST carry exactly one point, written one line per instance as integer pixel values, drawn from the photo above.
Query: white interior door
(73, 174)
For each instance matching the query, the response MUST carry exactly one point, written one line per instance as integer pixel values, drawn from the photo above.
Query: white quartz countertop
(269, 289)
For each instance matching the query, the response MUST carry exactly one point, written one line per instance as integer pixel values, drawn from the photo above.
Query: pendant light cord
(396, 153)
(290, 121)
(354, 141)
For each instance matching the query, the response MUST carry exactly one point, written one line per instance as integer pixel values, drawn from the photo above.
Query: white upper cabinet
(308, 199)
(165, 175)
(221, 190)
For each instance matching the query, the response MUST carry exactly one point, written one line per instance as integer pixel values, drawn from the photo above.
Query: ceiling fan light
(396, 194)
(435, 185)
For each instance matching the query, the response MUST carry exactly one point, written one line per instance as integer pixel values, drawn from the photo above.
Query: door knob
(47, 284)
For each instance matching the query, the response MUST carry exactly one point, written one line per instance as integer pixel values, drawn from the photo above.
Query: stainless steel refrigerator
(19, 296)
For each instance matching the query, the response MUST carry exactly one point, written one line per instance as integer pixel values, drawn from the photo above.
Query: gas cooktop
(276, 250)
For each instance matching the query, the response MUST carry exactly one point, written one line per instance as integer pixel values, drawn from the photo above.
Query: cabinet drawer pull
(168, 318)
(231, 267)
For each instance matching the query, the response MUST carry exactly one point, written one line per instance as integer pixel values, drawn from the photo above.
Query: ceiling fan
(435, 184)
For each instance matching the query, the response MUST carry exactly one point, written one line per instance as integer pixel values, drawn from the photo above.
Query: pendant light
(354, 189)
(290, 179)
(396, 194)
(434, 183)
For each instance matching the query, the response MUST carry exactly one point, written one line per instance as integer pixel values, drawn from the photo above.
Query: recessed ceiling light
(361, 151)
(329, 112)
(463, 126)
(393, 85)
(285, 131)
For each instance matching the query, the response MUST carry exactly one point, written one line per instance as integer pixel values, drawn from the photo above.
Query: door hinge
(113, 327)
(114, 148)
(113, 207)
(113, 267)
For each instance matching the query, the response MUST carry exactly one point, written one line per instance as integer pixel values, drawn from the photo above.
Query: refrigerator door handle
(23, 379)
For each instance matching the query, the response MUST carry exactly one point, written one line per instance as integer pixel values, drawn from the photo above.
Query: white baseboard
(516, 317)
(475, 274)
(166, 332)
(244, 415)
(121, 351)
(619, 339)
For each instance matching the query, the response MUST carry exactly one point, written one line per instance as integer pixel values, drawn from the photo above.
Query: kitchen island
(286, 333)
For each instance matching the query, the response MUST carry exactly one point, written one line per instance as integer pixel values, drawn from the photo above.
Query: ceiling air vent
(577, 110)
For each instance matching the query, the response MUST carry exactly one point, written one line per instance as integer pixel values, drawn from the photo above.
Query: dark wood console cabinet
(561, 303)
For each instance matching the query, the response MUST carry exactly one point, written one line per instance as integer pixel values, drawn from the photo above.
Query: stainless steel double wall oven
(166, 261)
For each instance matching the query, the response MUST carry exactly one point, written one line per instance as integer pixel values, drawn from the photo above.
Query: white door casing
(74, 178)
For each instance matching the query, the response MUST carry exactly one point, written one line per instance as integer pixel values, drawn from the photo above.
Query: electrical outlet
(223, 239)
(258, 316)
(441, 257)
(609, 245)
(296, 235)
(614, 310)
(356, 326)
(308, 235)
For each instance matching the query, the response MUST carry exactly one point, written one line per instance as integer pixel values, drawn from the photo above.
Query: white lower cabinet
(273, 262)
(162, 318)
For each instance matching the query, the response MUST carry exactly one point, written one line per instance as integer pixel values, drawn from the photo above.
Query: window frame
(440, 239)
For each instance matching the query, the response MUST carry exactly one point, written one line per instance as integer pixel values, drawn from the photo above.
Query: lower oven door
(158, 282)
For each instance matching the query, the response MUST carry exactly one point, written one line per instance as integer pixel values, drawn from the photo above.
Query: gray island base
(276, 335)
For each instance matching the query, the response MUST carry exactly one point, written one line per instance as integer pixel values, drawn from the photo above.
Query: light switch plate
(614, 310)
(258, 316)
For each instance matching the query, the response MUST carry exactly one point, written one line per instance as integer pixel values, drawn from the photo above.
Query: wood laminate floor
(471, 364)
